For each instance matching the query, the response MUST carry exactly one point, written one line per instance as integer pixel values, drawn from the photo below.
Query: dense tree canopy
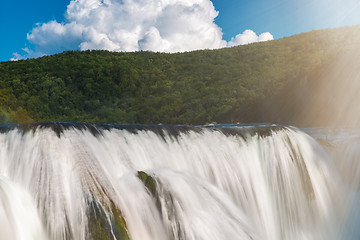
(261, 82)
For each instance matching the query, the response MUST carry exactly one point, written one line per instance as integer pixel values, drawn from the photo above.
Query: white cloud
(152, 41)
(249, 36)
(16, 57)
(131, 25)
(266, 36)
(28, 54)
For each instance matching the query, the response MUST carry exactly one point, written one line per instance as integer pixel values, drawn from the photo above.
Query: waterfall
(79, 181)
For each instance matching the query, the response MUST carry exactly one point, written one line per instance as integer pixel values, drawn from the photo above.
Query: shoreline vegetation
(274, 81)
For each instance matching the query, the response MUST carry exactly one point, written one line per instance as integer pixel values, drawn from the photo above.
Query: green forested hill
(262, 82)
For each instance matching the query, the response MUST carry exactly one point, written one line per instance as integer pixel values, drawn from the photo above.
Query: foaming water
(18, 216)
(169, 182)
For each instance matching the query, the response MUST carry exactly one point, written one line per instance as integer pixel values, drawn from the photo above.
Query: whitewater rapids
(58, 180)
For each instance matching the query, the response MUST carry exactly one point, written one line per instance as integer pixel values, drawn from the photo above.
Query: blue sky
(278, 17)
(18, 17)
(285, 17)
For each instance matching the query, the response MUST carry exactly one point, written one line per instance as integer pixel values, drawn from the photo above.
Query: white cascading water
(18, 215)
(209, 185)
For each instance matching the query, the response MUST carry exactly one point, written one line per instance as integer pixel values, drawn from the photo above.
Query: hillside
(273, 81)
